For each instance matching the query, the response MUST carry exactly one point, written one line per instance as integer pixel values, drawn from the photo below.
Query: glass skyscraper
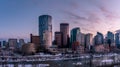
(117, 40)
(45, 30)
(99, 39)
(74, 32)
(110, 38)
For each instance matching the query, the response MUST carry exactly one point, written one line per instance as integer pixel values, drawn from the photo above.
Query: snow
(107, 60)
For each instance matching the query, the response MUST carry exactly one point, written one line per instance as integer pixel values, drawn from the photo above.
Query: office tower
(0, 44)
(4, 44)
(45, 30)
(21, 42)
(88, 40)
(58, 39)
(64, 28)
(12, 44)
(99, 39)
(105, 40)
(74, 32)
(35, 39)
(117, 40)
(81, 38)
(110, 38)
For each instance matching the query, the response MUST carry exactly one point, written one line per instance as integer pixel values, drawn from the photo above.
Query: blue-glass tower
(117, 42)
(99, 39)
(73, 34)
(45, 30)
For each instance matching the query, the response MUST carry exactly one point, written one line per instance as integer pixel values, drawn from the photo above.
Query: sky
(19, 18)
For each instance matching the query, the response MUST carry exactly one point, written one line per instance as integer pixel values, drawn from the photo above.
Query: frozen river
(81, 61)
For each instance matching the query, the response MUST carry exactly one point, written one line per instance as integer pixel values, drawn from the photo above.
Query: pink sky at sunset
(19, 18)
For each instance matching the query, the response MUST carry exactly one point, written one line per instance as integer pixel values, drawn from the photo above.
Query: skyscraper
(58, 39)
(12, 43)
(64, 28)
(73, 35)
(117, 40)
(81, 38)
(45, 30)
(99, 39)
(4, 44)
(21, 42)
(0, 44)
(110, 38)
(88, 40)
(35, 39)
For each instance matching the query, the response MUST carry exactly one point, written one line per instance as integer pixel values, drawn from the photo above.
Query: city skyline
(59, 33)
(20, 18)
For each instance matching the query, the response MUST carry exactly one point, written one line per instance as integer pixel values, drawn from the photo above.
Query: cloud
(92, 17)
(72, 15)
(108, 14)
(87, 23)
(74, 4)
(92, 20)
(117, 31)
(89, 28)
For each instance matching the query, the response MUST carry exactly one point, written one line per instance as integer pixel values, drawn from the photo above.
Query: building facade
(58, 39)
(73, 35)
(12, 44)
(28, 49)
(99, 39)
(81, 38)
(21, 42)
(117, 40)
(35, 39)
(0, 44)
(4, 44)
(88, 40)
(110, 38)
(64, 28)
(45, 30)
(47, 38)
